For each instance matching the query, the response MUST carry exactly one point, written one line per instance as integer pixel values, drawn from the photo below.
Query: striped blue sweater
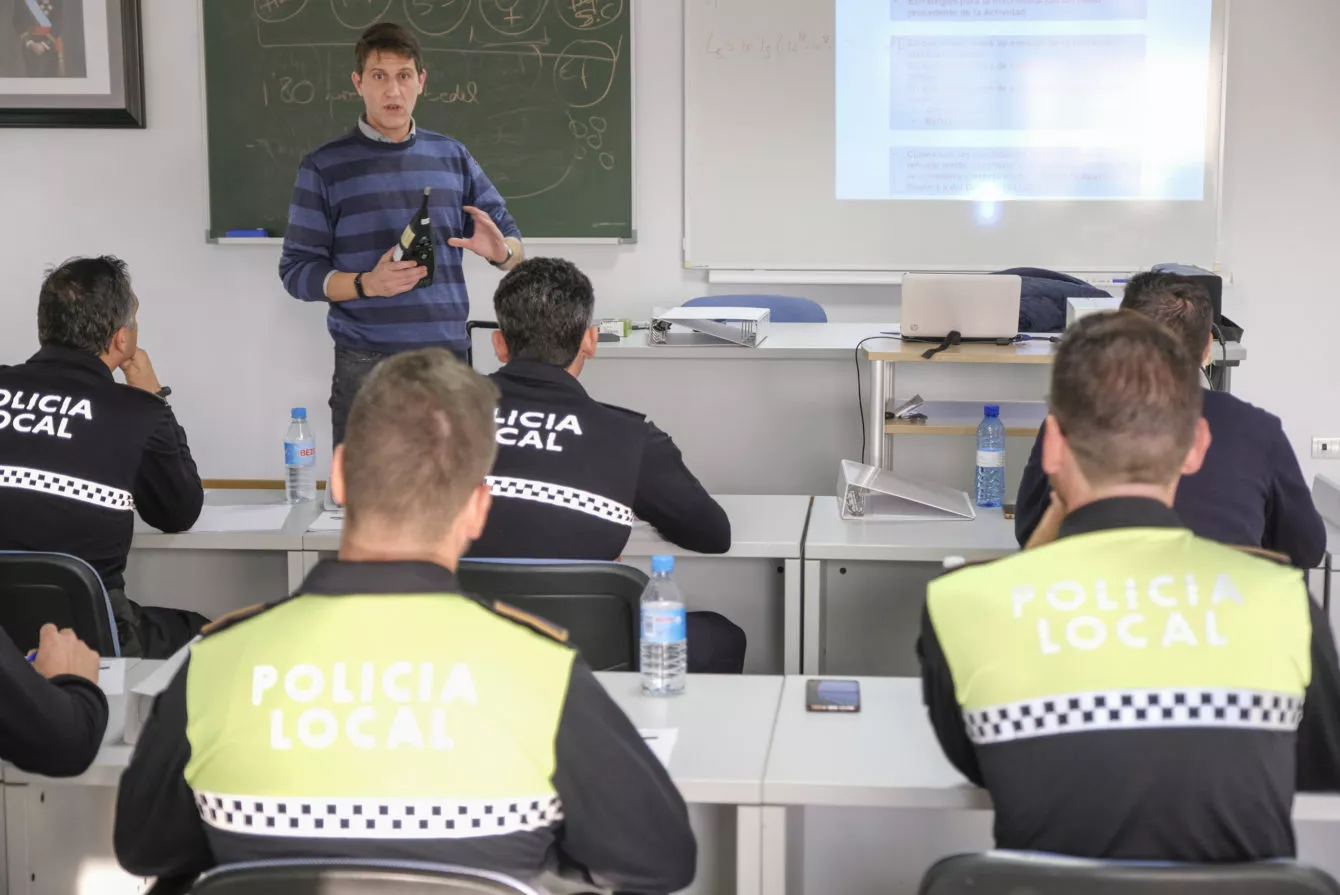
(352, 199)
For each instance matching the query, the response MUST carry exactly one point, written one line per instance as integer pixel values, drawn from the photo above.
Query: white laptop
(976, 306)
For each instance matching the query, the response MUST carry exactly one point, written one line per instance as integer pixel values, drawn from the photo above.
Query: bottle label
(299, 453)
(990, 459)
(663, 625)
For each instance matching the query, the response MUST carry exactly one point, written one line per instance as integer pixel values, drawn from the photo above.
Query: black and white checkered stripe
(363, 818)
(65, 486)
(1134, 709)
(562, 496)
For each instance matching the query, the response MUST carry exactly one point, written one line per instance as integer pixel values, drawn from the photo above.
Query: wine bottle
(416, 243)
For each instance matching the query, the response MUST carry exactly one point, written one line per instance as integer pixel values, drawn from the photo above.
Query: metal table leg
(792, 620)
(812, 652)
(874, 415)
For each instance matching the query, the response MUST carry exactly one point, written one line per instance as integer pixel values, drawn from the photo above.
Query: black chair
(337, 877)
(470, 327)
(1016, 873)
(597, 602)
(52, 588)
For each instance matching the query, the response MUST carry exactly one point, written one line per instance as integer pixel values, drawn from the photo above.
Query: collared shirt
(373, 134)
(572, 474)
(81, 454)
(379, 714)
(1142, 693)
(1250, 492)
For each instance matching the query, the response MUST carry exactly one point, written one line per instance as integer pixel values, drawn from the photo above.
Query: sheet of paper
(157, 682)
(112, 676)
(331, 520)
(662, 742)
(247, 517)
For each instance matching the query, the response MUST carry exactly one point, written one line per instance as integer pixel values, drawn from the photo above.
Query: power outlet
(1326, 449)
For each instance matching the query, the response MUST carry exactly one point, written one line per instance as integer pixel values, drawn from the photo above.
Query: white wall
(239, 352)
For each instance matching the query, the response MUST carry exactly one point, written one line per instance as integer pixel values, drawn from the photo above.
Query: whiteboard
(762, 178)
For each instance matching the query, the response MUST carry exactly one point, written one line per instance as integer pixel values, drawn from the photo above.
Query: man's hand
(391, 277)
(488, 241)
(60, 652)
(140, 373)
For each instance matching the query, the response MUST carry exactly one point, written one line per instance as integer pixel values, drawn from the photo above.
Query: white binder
(694, 325)
(877, 495)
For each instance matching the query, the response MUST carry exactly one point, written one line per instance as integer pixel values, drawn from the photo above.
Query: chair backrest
(597, 602)
(41, 588)
(336, 877)
(783, 308)
(1012, 873)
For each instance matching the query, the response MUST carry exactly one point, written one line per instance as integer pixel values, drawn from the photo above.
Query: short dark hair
(388, 37)
(1180, 304)
(84, 302)
(420, 438)
(544, 307)
(1127, 396)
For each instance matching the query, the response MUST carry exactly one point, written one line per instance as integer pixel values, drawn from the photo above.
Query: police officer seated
(80, 454)
(1133, 691)
(52, 713)
(572, 473)
(380, 714)
(1250, 491)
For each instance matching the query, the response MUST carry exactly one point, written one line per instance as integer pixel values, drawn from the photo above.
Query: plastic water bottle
(665, 649)
(991, 459)
(300, 459)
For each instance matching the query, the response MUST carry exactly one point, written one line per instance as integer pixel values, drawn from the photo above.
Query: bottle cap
(993, 410)
(662, 563)
(300, 413)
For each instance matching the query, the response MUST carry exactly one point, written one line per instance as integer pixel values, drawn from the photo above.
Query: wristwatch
(503, 263)
(358, 286)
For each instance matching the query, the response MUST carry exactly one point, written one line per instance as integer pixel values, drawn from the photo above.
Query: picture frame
(71, 63)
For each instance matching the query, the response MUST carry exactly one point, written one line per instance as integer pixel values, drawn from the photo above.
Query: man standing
(1132, 691)
(80, 454)
(354, 197)
(381, 714)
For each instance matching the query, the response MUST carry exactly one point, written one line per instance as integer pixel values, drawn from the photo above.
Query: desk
(757, 583)
(838, 560)
(215, 572)
(884, 355)
(884, 757)
(725, 729)
(60, 828)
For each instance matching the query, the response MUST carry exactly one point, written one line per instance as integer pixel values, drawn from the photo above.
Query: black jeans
(148, 632)
(352, 366)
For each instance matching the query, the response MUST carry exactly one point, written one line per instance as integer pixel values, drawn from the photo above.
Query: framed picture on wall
(71, 63)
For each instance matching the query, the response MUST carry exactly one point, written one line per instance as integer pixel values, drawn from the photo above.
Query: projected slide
(1000, 100)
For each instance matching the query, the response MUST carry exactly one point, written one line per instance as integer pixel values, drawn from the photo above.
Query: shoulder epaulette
(534, 622)
(227, 620)
(1261, 553)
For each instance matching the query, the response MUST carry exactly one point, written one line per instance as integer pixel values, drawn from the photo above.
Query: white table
(743, 584)
(833, 545)
(724, 726)
(725, 730)
(215, 572)
(885, 756)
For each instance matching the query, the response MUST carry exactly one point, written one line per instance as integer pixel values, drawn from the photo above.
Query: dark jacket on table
(379, 714)
(80, 454)
(1134, 692)
(51, 727)
(1249, 493)
(572, 474)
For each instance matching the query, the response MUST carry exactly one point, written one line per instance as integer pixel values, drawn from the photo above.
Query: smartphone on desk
(833, 696)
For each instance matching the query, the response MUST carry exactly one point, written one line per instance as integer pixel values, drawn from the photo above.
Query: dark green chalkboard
(539, 91)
